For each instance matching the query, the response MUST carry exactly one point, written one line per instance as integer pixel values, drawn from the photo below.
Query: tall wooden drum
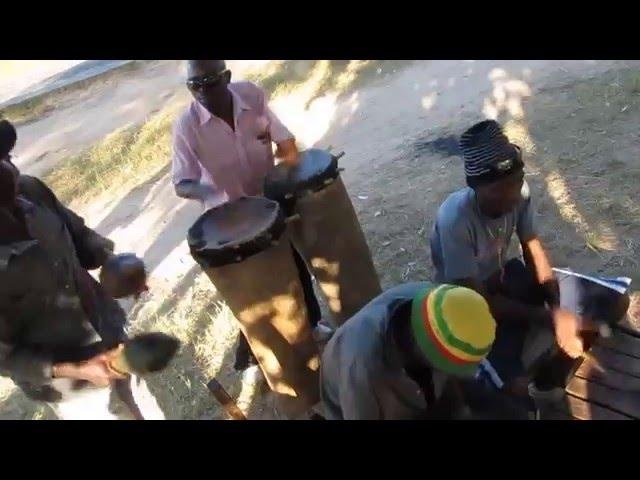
(328, 234)
(243, 246)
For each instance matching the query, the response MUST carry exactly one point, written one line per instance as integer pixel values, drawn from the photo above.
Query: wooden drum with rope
(327, 234)
(244, 248)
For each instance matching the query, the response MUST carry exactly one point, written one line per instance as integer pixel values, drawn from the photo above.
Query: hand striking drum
(243, 246)
(327, 234)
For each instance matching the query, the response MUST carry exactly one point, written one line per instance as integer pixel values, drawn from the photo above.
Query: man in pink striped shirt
(222, 142)
(222, 150)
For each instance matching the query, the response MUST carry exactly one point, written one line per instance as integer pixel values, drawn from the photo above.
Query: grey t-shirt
(361, 375)
(467, 244)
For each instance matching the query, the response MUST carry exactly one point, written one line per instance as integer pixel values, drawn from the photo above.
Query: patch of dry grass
(29, 110)
(125, 158)
(208, 332)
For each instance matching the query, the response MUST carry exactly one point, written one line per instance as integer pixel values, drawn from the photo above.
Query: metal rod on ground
(225, 400)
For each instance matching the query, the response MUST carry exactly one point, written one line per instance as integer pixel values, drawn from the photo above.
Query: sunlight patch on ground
(598, 238)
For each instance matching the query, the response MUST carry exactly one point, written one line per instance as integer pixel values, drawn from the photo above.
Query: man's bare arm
(536, 257)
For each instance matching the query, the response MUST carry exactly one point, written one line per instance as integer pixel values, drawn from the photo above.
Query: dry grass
(125, 158)
(29, 110)
(208, 331)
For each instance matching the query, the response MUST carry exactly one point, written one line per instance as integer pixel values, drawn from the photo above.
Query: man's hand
(288, 152)
(95, 370)
(567, 327)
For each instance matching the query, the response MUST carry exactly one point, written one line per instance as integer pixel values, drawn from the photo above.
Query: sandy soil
(395, 176)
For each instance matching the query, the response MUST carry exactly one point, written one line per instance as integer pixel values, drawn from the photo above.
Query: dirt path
(395, 178)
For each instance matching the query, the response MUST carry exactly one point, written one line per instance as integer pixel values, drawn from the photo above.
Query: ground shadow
(132, 204)
(17, 406)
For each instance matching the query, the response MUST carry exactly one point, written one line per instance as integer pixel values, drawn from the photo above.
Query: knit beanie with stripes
(453, 327)
(488, 155)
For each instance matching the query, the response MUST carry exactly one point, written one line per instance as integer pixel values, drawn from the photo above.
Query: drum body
(327, 234)
(245, 250)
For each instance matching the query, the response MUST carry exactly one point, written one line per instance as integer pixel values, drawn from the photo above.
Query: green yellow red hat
(453, 328)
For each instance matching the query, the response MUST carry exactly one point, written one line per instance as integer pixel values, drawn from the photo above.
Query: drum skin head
(315, 167)
(232, 231)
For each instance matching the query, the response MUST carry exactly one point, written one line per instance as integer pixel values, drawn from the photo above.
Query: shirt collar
(239, 105)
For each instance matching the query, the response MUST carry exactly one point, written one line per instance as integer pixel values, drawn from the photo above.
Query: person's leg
(313, 307)
(516, 282)
(519, 283)
(244, 356)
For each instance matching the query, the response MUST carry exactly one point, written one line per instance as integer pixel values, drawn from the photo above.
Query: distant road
(49, 75)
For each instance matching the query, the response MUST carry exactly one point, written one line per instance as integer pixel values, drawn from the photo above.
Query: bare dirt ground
(576, 121)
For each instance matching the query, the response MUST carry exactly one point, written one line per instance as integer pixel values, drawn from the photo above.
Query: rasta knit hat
(453, 328)
(488, 154)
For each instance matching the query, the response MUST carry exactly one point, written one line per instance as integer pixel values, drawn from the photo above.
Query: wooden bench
(606, 384)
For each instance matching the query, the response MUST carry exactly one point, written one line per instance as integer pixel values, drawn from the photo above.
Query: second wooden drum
(327, 234)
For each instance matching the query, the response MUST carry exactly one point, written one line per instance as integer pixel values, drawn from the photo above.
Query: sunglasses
(206, 81)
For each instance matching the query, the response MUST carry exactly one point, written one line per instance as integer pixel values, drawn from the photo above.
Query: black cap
(488, 154)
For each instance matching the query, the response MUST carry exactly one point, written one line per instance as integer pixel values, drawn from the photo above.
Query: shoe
(244, 357)
(544, 399)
